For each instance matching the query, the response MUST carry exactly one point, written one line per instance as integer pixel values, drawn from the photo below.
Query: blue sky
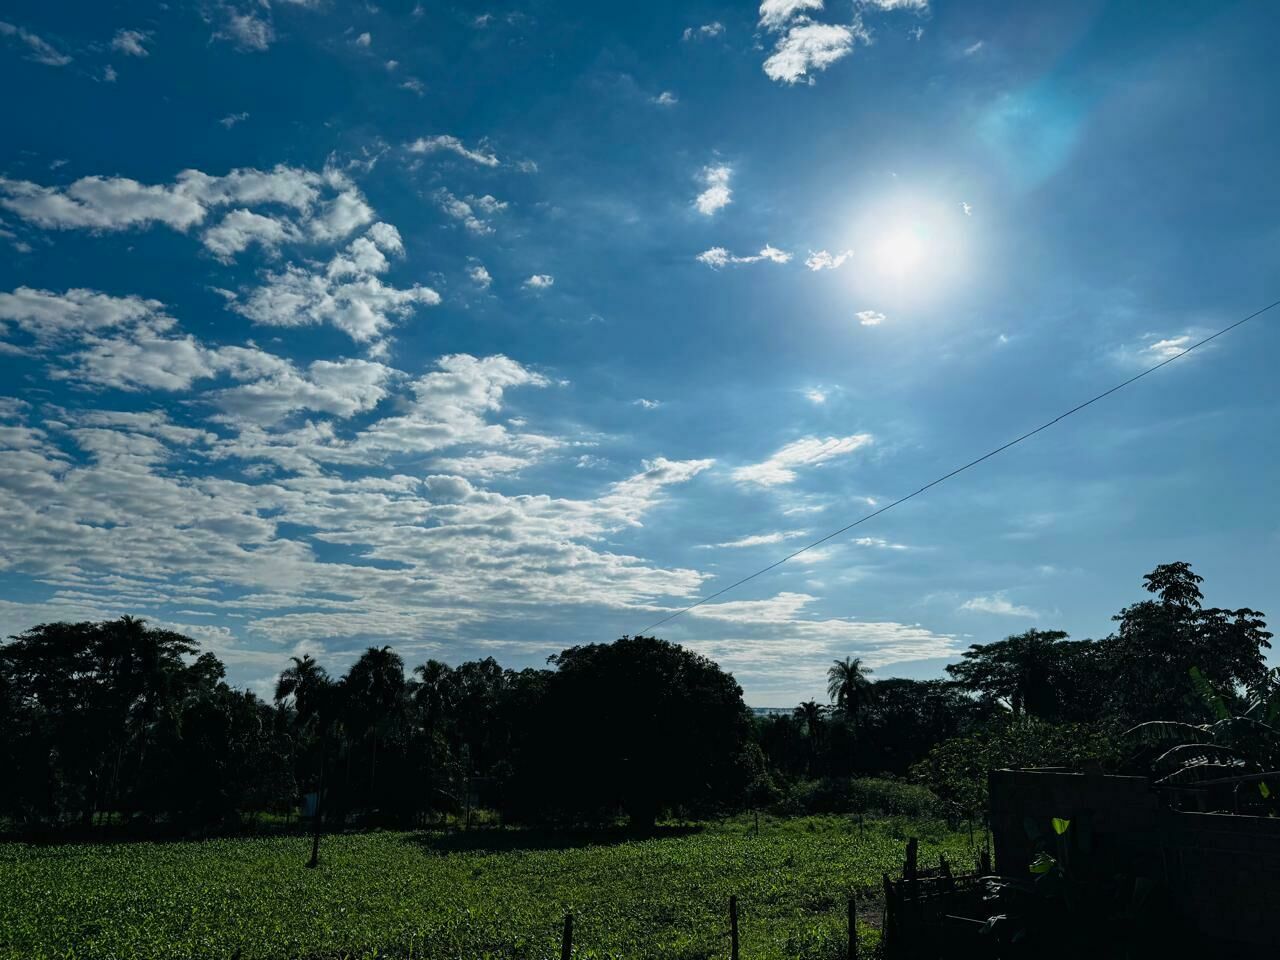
(491, 329)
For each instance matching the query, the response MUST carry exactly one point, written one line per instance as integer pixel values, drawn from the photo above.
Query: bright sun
(912, 248)
(900, 251)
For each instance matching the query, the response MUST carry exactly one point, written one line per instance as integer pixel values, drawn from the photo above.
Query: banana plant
(1233, 744)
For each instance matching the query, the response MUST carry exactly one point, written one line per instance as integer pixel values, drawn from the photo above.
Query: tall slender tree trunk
(315, 816)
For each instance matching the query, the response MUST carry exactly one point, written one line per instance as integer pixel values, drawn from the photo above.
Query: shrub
(878, 795)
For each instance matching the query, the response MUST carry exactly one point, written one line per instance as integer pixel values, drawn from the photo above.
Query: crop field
(485, 894)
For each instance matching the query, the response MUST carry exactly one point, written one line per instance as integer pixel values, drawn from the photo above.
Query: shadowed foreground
(392, 895)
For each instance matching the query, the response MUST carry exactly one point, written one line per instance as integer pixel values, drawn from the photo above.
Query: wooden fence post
(909, 870)
(890, 921)
(566, 939)
(853, 929)
(733, 928)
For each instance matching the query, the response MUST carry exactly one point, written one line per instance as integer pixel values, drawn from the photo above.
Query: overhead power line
(958, 470)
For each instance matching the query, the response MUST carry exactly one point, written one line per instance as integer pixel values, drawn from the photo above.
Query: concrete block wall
(1223, 870)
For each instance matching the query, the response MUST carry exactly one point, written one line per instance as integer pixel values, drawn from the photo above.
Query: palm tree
(374, 691)
(848, 686)
(312, 691)
(810, 715)
(147, 666)
(431, 691)
(308, 683)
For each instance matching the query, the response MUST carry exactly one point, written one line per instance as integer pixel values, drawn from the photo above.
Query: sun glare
(914, 249)
(901, 251)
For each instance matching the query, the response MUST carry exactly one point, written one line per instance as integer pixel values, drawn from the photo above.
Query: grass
(489, 894)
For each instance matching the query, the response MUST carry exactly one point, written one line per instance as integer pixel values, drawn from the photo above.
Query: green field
(486, 894)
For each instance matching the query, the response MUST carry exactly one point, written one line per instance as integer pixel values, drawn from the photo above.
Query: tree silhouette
(811, 716)
(848, 686)
(309, 685)
(1149, 657)
(373, 690)
(1018, 670)
(643, 724)
(119, 718)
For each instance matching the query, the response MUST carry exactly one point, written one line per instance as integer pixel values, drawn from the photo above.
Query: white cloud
(326, 205)
(973, 48)
(109, 74)
(1153, 348)
(239, 228)
(342, 388)
(37, 49)
(246, 30)
(870, 318)
(705, 32)
(338, 217)
(488, 204)
(647, 404)
(128, 511)
(100, 203)
(717, 194)
(879, 543)
(666, 99)
(46, 315)
(916, 6)
(771, 253)
(1168, 348)
(414, 85)
(128, 343)
(718, 257)
(445, 538)
(540, 281)
(461, 211)
(142, 359)
(781, 468)
(776, 14)
(479, 275)
(131, 43)
(998, 604)
(346, 294)
(779, 653)
(760, 540)
(809, 47)
(821, 260)
(450, 144)
(231, 119)
(364, 40)
(968, 210)
(814, 395)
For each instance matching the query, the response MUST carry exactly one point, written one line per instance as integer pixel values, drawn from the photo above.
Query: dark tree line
(118, 719)
(1035, 699)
